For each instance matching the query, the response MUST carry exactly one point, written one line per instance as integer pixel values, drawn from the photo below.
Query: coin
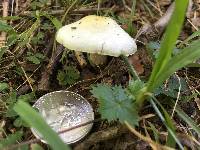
(63, 110)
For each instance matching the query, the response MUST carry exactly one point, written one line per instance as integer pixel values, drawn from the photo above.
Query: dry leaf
(136, 62)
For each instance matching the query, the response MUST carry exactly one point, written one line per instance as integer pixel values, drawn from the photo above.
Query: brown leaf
(136, 62)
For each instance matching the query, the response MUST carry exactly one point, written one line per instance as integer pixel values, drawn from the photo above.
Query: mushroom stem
(130, 68)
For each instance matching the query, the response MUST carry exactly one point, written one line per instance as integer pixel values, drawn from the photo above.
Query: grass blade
(187, 56)
(169, 40)
(170, 140)
(28, 114)
(171, 132)
(188, 120)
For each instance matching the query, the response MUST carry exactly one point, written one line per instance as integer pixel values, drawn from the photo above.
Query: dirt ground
(148, 22)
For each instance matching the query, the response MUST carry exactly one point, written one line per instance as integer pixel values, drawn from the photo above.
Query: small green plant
(138, 92)
(10, 100)
(68, 75)
(117, 102)
(35, 58)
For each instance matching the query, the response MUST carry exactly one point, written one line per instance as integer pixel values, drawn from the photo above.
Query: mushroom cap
(96, 34)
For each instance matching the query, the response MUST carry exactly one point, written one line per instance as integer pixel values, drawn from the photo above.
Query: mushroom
(97, 35)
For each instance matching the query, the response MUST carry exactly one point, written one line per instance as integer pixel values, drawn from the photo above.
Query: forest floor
(35, 65)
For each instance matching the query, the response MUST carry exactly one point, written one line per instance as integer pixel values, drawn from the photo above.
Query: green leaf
(115, 104)
(10, 139)
(134, 87)
(5, 27)
(62, 77)
(195, 34)
(185, 57)
(69, 76)
(13, 18)
(168, 42)
(170, 140)
(188, 120)
(29, 115)
(54, 20)
(25, 37)
(19, 122)
(3, 86)
(11, 39)
(171, 89)
(194, 65)
(23, 147)
(168, 126)
(26, 97)
(35, 58)
(10, 112)
(152, 49)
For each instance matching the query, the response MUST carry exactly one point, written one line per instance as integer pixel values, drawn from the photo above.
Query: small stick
(76, 11)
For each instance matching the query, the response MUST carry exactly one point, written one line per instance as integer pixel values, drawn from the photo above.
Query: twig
(191, 89)
(147, 139)
(100, 136)
(27, 78)
(162, 22)
(67, 10)
(76, 11)
(196, 28)
(44, 81)
(126, 6)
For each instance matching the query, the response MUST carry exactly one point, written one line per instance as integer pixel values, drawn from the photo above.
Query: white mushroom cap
(96, 34)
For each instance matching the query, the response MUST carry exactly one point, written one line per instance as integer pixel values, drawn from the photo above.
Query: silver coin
(63, 110)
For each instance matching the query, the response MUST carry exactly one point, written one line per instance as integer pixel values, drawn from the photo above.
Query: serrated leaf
(61, 77)
(35, 58)
(115, 104)
(72, 72)
(135, 86)
(39, 55)
(68, 76)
